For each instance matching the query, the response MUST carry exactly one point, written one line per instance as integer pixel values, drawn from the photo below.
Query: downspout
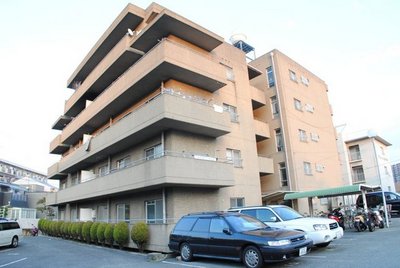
(380, 180)
(280, 118)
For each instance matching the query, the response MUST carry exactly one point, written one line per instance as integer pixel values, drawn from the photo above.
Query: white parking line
(183, 264)
(4, 265)
(314, 257)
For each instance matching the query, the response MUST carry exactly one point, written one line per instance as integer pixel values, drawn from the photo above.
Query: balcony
(257, 97)
(266, 165)
(130, 17)
(61, 122)
(262, 130)
(57, 147)
(170, 170)
(168, 60)
(162, 113)
(54, 174)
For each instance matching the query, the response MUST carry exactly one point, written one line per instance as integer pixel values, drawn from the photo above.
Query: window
(355, 153)
(279, 140)
(283, 174)
(74, 214)
(274, 107)
(237, 202)
(264, 215)
(185, 224)
(153, 152)
(314, 137)
(233, 156)
(229, 73)
(123, 212)
(270, 77)
(292, 76)
(102, 213)
(217, 225)
(307, 168)
(319, 168)
(202, 225)
(358, 174)
(232, 112)
(154, 211)
(103, 170)
(309, 108)
(297, 105)
(305, 80)
(382, 150)
(302, 135)
(123, 163)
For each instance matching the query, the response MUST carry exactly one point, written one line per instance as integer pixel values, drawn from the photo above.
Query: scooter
(362, 222)
(376, 218)
(337, 216)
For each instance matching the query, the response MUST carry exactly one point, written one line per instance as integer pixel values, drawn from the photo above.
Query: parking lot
(379, 248)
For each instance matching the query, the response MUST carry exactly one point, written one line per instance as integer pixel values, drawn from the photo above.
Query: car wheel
(186, 252)
(323, 245)
(14, 242)
(252, 257)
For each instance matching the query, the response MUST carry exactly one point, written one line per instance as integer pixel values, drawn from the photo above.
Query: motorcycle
(363, 222)
(376, 218)
(337, 215)
(34, 231)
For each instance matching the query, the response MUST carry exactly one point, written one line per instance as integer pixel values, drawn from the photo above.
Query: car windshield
(287, 213)
(242, 223)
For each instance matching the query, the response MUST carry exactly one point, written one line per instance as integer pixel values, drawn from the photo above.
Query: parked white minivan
(10, 233)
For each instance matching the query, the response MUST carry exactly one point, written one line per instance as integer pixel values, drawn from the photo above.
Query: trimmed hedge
(121, 234)
(140, 235)
(100, 233)
(93, 232)
(86, 231)
(108, 234)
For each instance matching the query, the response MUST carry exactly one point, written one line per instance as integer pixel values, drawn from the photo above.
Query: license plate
(303, 251)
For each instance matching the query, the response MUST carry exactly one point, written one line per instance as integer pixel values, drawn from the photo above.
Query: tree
(43, 208)
(140, 235)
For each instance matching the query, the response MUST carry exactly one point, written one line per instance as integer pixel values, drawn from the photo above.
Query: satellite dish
(130, 32)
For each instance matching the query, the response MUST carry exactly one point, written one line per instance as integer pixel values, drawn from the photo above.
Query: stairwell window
(153, 152)
(279, 140)
(307, 168)
(270, 77)
(283, 174)
(297, 105)
(358, 174)
(274, 107)
(355, 153)
(123, 212)
(292, 76)
(154, 211)
(233, 156)
(302, 135)
(232, 110)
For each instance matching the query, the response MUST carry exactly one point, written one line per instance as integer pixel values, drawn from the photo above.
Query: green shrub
(121, 234)
(64, 229)
(100, 232)
(140, 235)
(41, 225)
(58, 228)
(86, 231)
(77, 230)
(108, 234)
(70, 230)
(93, 232)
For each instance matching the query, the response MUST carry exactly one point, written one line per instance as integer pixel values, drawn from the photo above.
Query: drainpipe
(164, 206)
(282, 125)
(380, 180)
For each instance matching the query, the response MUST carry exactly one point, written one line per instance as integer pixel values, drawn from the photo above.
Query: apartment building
(303, 138)
(369, 161)
(163, 122)
(396, 176)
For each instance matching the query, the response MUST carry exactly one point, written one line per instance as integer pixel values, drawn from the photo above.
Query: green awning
(330, 192)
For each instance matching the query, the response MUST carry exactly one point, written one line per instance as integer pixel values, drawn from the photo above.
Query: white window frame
(157, 205)
(358, 174)
(274, 106)
(279, 140)
(314, 137)
(234, 156)
(232, 110)
(302, 135)
(153, 152)
(307, 168)
(124, 209)
(305, 80)
(103, 170)
(297, 105)
(292, 75)
(270, 77)
(237, 202)
(123, 162)
(283, 174)
(319, 168)
(355, 153)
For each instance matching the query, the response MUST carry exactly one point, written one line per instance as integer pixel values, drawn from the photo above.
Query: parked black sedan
(235, 236)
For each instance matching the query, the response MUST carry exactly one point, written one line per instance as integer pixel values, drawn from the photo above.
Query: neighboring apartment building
(303, 138)
(396, 176)
(163, 122)
(369, 161)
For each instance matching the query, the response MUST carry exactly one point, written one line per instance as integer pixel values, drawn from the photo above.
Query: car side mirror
(274, 219)
(227, 231)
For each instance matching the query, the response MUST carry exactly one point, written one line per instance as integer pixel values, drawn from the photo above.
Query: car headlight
(320, 227)
(279, 243)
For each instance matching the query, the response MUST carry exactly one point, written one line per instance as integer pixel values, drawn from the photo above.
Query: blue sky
(354, 46)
